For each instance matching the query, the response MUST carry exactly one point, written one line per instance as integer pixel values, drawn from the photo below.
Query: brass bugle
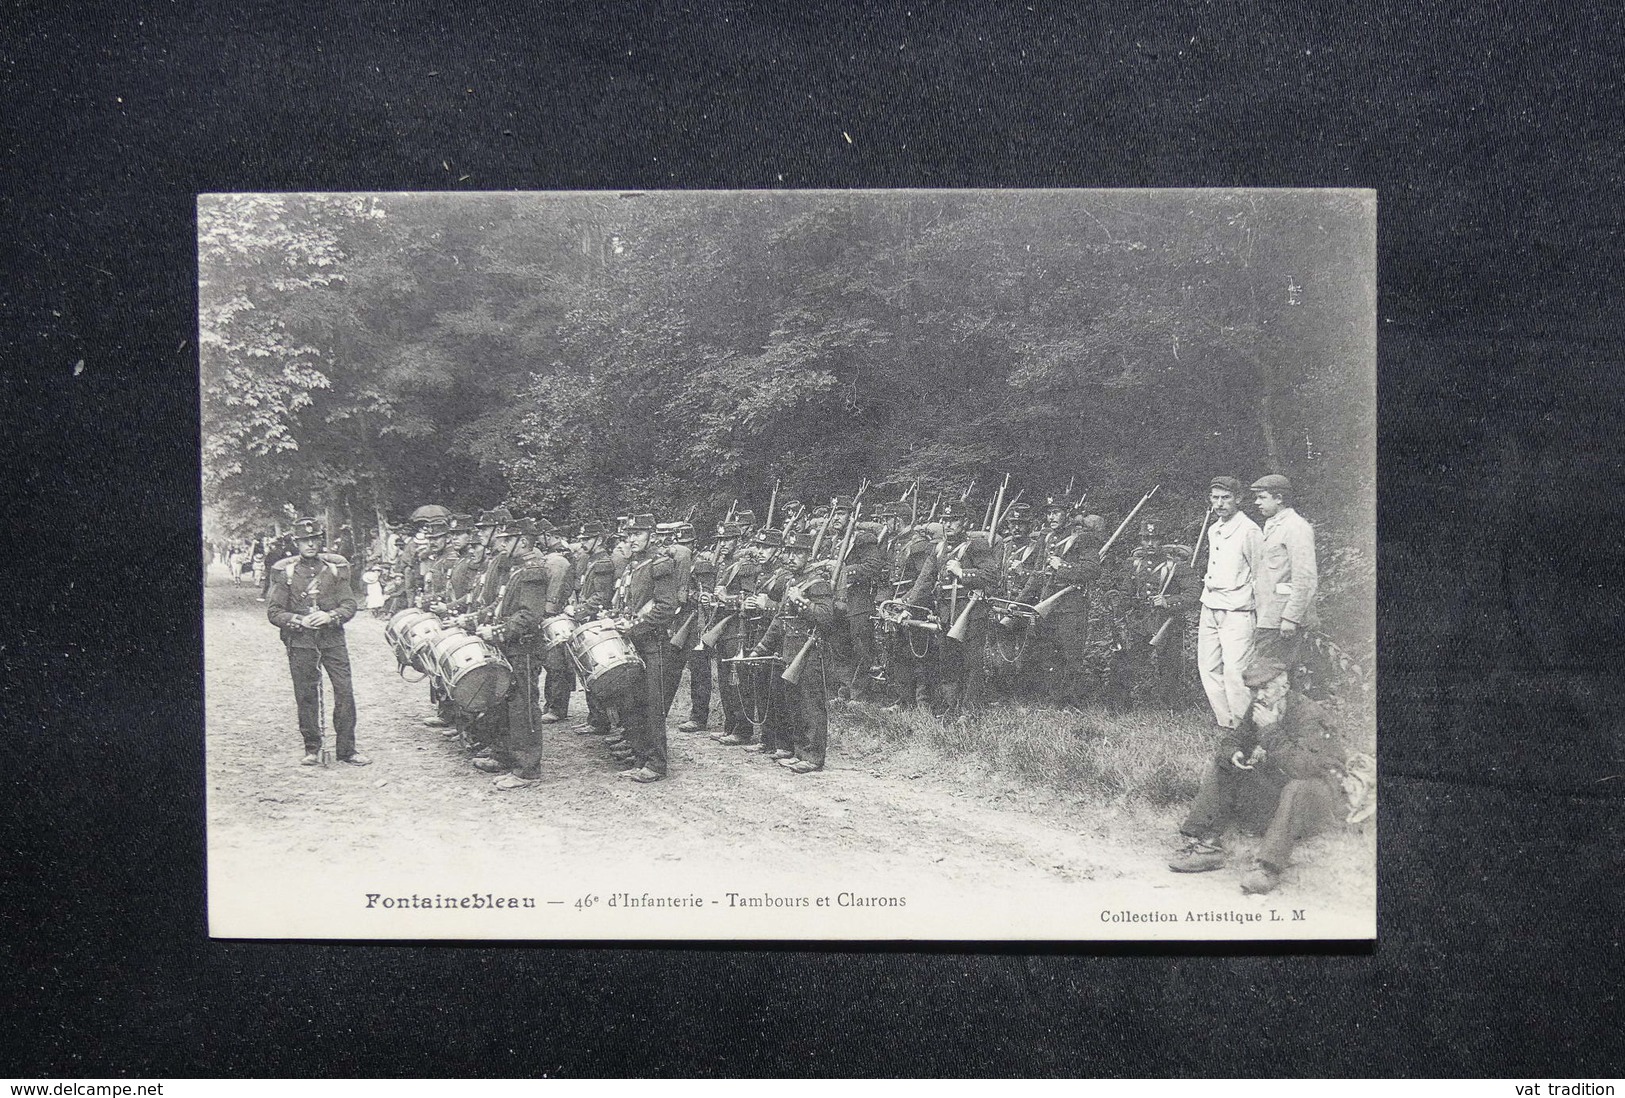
(679, 639)
(1045, 608)
(792, 673)
(709, 638)
(962, 625)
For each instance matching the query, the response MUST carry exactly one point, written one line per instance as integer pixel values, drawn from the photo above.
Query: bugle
(961, 625)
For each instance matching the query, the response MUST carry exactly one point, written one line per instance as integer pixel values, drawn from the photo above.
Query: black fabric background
(1491, 134)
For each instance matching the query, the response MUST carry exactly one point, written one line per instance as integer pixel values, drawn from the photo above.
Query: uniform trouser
(699, 686)
(1158, 666)
(1273, 644)
(736, 689)
(1224, 647)
(912, 665)
(860, 652)
(1284, 810)
(522, 751)
(698, 663)
(803, 709)
(960, 667)
(560, 683)
(643, 705)
(305, 665)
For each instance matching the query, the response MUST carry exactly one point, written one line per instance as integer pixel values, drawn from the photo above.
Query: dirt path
(295, 851)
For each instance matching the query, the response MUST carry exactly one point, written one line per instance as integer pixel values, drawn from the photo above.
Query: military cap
(1262, 672)
(955, 509)
(843, 503)
(1150, 531)
(429, 512)
(1017, 510)
(730, 529)
(638, 523)
(543, 526)
(769, 538)
(747, 517)
(592, 528)
(895, 510)
(799, 541)
(684, 531)
(517, 527)
(491, 519)
(456, 523)
(1229, 484)
(1274, 483)
(435, 528)
(666, 527)
(308, 528)
(1052, 504)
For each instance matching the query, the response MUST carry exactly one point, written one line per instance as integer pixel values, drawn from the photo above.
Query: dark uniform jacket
(523, 605)
(646, 595)
(793, 624)
(978, 561)
(561, 580)
(906, 556)
(1079, 551)
(299, 586)
(595, 589)
(865, 571)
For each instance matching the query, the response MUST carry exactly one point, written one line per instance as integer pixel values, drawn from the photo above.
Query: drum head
(479, 686)
(617, 679)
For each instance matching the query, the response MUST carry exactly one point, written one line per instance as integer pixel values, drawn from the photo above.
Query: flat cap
(1262, 671)
(1272, 482)
(1229, 484)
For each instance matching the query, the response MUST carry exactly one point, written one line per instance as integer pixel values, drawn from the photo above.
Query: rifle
(1067, 495)
(935, 506)
(1197, 548)
(1120, 526)
(998, 507)
(772, 503)
(822, 530)
(969, 488)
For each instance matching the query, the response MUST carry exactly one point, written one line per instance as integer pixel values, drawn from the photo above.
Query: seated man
(1278, 772)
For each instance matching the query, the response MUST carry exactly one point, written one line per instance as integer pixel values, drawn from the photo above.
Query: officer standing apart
(1224, 639)
(311, 597)
(1286, 583)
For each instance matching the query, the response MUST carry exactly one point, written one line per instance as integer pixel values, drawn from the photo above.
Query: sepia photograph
(913, 565)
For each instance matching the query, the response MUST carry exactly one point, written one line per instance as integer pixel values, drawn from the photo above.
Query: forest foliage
(594, 354)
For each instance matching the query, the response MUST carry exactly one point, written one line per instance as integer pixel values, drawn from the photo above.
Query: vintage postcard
(790, 565)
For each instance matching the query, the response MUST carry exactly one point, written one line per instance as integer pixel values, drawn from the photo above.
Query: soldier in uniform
(961, 569)
(1069, 563)
(559, 569)
(311, 598)
(910, 652)
(674, 541)
(1162, 592)
(757, 692)
(1008, 633)
(805, 616)
(515, 751)
(645, 603)
(432, 569)
(855, 602)
(595, 590)
(697, 659)
(736, 581)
